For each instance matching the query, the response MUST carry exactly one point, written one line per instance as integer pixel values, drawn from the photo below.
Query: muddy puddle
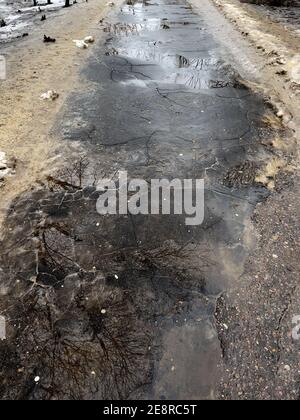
(123, 306)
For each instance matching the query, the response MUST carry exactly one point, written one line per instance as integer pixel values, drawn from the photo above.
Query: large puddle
(117, 306)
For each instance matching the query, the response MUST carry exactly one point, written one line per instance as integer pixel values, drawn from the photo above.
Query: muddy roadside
(261, 360)
(275, 47)
(33, 68)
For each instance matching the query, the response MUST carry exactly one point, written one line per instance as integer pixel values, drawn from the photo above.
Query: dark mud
(123, 307)
(260, 354)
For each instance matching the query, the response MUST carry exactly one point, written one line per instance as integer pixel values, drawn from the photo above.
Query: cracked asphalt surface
(124, 307)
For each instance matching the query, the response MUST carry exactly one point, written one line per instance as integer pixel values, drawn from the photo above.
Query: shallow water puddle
(162, 40)
(132, 299)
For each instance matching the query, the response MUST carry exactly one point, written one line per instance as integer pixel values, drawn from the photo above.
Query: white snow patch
(272, 47)
(4, 169)
(80, 43)
(293, 67)
(136, 83)
(50, 95)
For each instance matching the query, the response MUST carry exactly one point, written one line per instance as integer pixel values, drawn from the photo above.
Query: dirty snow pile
(19, 14)
(293, 68)
(4, 166)
(50, 95)
(84, 43)
(277, 52)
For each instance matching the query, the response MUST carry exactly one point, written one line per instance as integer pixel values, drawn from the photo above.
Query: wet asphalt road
(158, 102)
(162, 104)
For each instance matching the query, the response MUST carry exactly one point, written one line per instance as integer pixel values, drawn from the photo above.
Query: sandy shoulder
(33, 68)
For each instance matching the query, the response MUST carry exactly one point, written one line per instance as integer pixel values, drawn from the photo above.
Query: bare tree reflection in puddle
(81, 310)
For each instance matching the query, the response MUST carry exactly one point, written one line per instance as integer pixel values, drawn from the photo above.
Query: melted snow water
(123, 307)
